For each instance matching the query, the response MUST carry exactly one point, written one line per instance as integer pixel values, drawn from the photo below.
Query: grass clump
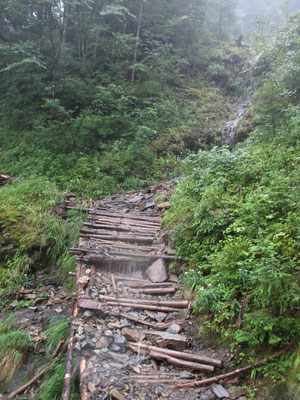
(14, 345)
(53, 382)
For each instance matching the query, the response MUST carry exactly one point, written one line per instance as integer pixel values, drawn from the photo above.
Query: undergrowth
(33, 235)
(235, 216)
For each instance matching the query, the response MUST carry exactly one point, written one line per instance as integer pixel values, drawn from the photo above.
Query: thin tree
(137, 41)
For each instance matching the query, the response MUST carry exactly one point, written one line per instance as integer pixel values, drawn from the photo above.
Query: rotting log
(219, 378)
(181, 355)
(22, 389)
(165, 303)
(172, 360)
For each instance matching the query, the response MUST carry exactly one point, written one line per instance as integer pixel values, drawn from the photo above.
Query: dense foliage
(106, 94)
(235, 215)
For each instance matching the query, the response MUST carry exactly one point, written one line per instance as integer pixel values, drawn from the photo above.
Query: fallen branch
(181, 355)
(37, 376)
(218, 378)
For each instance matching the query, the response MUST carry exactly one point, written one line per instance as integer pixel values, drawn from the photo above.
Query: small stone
(88, 314)
(102, 343)
(32, 308)
(157, 272)
(77, 346)
(91, 387)
(31, 296)
(174, 328)
(115, 347)
(219, 391)
(164, 205)
(58, 310)
(83, 279)
(120, 339)
(131, 335)
(160, 316)
(236, 391)
(116, 395)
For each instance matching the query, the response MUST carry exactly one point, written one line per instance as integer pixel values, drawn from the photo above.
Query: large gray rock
(166, 339)
(157, 272)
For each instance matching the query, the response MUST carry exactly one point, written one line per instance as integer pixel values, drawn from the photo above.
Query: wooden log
(126, 224)
(24, 387)
(96, 259)
(104, 212)
(181, 355)
(122, 245)
(146, 255)
(127, 256)
(83, 385)
(174, 361)
(66, 393)
(120, 227)
(170, 290)
(113, 282)
(123, 238)
(144, 306)
(124, 220)
(218, 378)
(166, 303)
(154, 381)
(158, 375)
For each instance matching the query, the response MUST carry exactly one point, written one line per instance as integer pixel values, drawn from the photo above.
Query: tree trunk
(137, 41)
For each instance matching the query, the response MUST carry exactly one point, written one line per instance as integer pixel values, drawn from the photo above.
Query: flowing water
(230, 127)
